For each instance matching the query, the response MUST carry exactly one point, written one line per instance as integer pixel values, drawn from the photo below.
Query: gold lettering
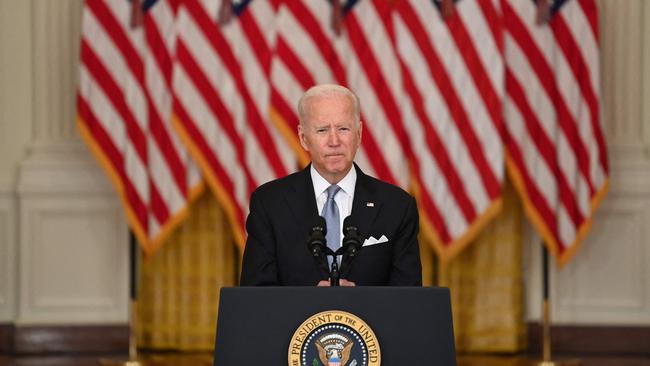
(295, 348)
(365, 333)
(310, 327)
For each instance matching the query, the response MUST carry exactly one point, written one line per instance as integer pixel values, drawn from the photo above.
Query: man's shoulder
(386, 189)
(279, 185)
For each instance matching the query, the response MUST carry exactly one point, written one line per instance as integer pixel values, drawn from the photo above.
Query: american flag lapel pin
(370, 204)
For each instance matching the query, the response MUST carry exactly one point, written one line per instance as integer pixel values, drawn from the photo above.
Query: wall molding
(83, 239)
(587, 340)
(607, 280)
(592, 340)
(8, 274)
(32, 340)
(6, 338)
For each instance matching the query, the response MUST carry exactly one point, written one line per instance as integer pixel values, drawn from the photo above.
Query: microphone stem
(334, 273)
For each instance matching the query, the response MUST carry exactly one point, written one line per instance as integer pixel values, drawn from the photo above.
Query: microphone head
(350, 226)
(349, 221)
(351, 235)
(316, 238)
(319, 225)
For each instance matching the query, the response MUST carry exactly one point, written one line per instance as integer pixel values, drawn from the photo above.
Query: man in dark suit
(283, 211)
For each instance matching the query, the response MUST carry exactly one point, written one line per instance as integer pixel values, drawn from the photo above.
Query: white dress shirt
(343, 198)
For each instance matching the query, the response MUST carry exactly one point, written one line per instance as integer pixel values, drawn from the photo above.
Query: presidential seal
(334, 338)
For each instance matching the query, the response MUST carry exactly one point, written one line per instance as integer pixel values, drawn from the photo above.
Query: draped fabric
(556, 151)
(486, 283)
(444, 89)
(123, 103)
(452, 72)
(222, 96)
(179, 286)
(428, 259)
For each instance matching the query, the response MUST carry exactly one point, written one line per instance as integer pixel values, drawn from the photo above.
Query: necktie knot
(332, 191)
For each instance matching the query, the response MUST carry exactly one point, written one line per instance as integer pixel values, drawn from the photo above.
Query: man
(283, 211)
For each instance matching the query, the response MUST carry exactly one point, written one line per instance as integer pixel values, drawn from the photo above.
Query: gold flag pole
(133, 307)
(546, 321)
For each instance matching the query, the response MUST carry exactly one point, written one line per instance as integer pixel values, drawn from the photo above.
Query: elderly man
(282, 211)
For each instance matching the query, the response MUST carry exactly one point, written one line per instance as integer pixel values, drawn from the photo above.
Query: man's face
(330, 135)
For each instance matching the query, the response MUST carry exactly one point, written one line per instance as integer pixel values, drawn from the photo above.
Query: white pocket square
(372, 241)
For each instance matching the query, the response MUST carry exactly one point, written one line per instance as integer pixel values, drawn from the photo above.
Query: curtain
(179, 285)
(428, 259)
(486, 284)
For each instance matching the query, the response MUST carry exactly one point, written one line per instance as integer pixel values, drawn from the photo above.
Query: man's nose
(333, 137)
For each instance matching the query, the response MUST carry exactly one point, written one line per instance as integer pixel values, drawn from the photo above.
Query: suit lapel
(365, 205)
(302, 201)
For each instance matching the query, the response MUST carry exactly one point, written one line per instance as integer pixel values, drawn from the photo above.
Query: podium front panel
(413, 325)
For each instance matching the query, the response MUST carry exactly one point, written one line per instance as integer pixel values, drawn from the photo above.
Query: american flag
(453, 70)
(222, 96)
(124, 112)
(436, 81)
(346, 43)
(557, 156)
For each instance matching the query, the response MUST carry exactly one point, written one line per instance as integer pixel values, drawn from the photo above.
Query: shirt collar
(321, 184)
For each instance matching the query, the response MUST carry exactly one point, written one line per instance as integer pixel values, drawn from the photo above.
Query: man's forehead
(336, 122)
(341, 99)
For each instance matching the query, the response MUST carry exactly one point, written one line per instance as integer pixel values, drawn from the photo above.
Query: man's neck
(334, 179)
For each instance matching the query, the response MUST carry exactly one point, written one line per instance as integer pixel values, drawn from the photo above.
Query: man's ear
(360, 131)
(301, 137)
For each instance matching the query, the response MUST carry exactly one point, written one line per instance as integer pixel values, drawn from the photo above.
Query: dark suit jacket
(283, 211)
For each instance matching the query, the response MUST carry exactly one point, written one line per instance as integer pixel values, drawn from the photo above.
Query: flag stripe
(324, 43)
(215, 166)
(552, 114)
(443, 82)
(545, 75)
(114, 157)
(221, 47)
(493, 19)
(116, 96)
(300, 73)
(437, 151)
(478, 73)
(117, 33)
(545, 147)
(591, 12)
(216, 105)
(579, 68)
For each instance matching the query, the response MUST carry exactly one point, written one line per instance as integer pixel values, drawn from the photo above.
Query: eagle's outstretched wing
(345, 353)
(322, 353)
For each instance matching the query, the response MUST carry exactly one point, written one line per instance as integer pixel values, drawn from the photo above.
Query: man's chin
(338, 168)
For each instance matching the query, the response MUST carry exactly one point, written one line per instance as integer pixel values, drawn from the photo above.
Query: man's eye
(320, 130)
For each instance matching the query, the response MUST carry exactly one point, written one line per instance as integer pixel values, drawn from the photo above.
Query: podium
(377, 325)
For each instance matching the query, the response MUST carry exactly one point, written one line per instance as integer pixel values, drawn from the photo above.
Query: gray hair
(328, 90)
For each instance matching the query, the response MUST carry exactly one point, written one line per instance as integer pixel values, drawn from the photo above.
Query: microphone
(317, 243)
(351, 244)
